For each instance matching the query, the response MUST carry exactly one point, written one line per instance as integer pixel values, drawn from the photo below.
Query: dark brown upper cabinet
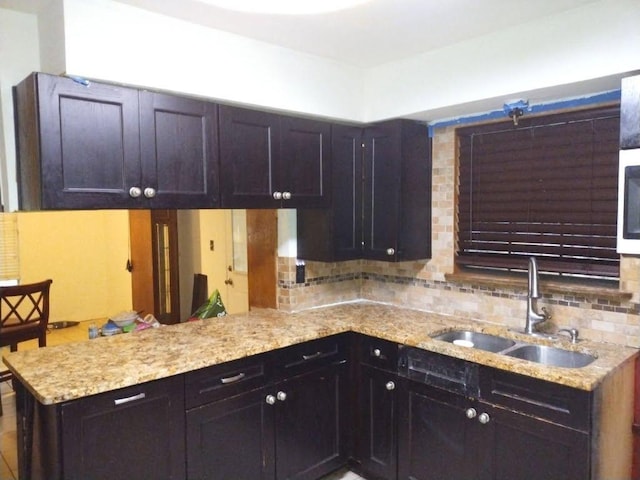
(179, 151)
(381, 194)
(272, 161)
(335, 234)
(397, 191)
(95, 145)
(630, 113)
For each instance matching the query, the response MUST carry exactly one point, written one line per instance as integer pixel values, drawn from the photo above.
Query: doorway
(235, 249)
(154, 264)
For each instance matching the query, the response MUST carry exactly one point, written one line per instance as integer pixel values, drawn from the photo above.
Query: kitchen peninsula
(258, 350)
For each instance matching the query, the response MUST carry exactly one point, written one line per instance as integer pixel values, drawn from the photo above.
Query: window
(545, 188)
(9, 260)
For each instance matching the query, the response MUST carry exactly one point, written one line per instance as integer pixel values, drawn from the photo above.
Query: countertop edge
(181, 348)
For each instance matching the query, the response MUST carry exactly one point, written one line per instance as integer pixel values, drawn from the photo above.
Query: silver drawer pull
(313, 355)
(235, 378)
(133, 398)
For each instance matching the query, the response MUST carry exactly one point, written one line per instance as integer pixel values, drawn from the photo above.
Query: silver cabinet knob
(277, 195)
(390, 385)
(135, 192)
(286, 195)
(391, 251)
(270, 399)
(376, 352)
(149, 192)
(484, 418)
(282, 396)
(471, 413)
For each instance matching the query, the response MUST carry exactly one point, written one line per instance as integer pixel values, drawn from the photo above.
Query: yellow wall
(85, 253)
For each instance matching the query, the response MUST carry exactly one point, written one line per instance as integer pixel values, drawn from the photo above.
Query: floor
(8, 437)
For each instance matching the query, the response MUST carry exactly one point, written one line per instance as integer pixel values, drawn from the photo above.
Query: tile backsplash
(422, 284)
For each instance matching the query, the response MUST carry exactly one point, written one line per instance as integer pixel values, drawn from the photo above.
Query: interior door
(237, 281)
(153, 263)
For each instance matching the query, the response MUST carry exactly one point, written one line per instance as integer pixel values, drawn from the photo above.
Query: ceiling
(375, 33)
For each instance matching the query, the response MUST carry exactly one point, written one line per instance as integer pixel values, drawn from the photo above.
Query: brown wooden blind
(545, 188)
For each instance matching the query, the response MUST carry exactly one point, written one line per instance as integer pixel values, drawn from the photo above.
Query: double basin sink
(542, 354)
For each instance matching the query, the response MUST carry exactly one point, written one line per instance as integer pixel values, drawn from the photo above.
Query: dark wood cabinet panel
(249, 157)
(95, 145)
(630, 113)
(179, 151)
(397, 192)
(519, 446)
(78, 146)
(306, 163)
(434, 440)
(310, 423)
(272, 161)
(136, 432)
(443, 434)
(232, 438)
(335, 234)
(381, 207)
(376, 451)
(288, 423)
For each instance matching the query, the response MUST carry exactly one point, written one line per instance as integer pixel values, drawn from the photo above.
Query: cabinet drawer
(378, 353)
(225, 380)
(308, 355)
(557, 403)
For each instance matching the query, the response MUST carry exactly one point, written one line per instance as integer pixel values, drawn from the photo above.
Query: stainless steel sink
(482, 341)
(555, 357)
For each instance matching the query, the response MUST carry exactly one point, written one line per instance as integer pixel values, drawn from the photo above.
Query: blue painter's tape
(80, 80)
(611, 96)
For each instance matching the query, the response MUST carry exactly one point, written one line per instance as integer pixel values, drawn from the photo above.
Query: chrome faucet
(533, 292)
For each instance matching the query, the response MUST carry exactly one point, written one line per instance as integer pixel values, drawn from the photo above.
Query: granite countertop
(64, 372)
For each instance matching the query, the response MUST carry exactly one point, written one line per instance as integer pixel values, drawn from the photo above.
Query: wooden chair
(24, 314)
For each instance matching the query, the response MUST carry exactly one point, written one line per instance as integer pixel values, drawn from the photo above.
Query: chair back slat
(24, 313)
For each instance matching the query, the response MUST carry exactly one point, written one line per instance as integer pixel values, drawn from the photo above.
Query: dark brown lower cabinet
(310, 423)
(295, 414)
(231, 439)
(446, 435)
(134, 432)
(376, 450)
(291, 427)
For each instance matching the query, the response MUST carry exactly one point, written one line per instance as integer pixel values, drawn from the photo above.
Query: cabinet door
(179, 152)
(89, 143)
(381, 191)
(519, 446)
(436, 439)
(310, 424)
(231, 439)
(397, 192)
(305, 162)
(377, 406)
(249, 158)
(135, 432)
(346, 178)
(335, 233)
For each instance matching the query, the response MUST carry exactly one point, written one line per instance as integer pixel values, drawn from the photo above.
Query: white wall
(19, 56)
(112, 41)
(599, 40)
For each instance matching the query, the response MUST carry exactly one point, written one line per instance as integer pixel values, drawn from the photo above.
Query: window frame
(473, 216)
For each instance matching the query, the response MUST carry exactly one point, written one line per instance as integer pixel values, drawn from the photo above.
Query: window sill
(599, 290)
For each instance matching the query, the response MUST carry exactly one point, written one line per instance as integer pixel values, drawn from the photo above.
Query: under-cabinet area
(297, 396)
